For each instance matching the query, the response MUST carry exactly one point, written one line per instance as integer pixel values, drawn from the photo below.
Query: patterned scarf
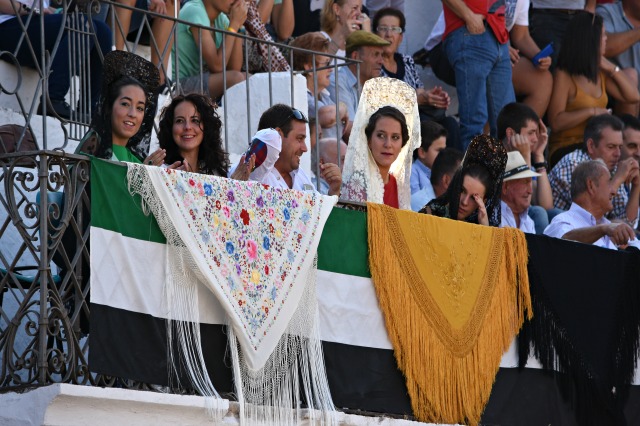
(272, 58)
(255, 249)
(453, 295)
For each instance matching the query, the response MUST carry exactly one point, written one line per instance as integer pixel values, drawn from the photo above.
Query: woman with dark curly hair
(190, 134)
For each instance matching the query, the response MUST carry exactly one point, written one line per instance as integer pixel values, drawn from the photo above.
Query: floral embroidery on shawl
(254, 247)
(255, 239)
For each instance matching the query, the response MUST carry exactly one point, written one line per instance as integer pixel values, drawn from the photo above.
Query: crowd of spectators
(554, 82)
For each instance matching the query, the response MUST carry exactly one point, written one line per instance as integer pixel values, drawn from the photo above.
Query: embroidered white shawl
(254, 247)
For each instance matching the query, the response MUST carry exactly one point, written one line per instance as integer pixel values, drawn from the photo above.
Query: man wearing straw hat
(516, 194)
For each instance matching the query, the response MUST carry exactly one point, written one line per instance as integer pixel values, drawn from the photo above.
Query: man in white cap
(291, 125)
(516, 194)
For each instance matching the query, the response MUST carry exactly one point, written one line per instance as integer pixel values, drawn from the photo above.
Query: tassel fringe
(271, 395)
(595, 400)
(450, 373)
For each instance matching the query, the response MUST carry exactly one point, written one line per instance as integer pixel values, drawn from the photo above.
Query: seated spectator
(585, 222)
(386, 131)
(29, 51)
(531, 81)
(328, 153)
(630, 138)
(630, 146)
(444, 167)
(278, 17)
(366, 47)
(318, 97)
(390, 24)
(474, 192)
(433, 139)
(190, 39)
(516, 194)
(581, 83)
(286, 173)
(340, 18)
(121, 127)
(623, 37)
(602, 140)
(520, 129)
(161, 29)
(189, 133)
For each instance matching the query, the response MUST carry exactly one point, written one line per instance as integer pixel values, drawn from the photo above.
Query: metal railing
(44, 212)
(79, 30)
(44, 273)
(43, 281)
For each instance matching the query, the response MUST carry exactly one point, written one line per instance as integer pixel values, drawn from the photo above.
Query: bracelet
(232, 30)
(615, 70)
(541, 165)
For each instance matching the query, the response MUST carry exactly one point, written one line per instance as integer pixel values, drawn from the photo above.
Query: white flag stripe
(349, 311)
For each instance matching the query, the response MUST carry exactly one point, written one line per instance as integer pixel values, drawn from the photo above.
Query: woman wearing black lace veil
(122, 124)
(474, 192)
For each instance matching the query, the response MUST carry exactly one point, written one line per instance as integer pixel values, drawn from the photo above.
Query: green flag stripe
(342, 248)
(113, 208)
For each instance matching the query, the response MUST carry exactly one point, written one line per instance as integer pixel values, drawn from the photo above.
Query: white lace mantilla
(361, 180)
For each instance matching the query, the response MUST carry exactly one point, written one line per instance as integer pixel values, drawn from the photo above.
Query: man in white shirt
(603, 139)
(516, 194)
(591, 192)
(291, 124)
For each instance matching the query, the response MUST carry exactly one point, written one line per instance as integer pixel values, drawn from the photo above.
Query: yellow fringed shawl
(453, 296)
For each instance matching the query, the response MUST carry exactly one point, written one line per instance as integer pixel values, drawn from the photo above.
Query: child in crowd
(434, 140)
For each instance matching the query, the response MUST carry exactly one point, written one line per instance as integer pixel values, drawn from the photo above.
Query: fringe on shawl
(593, 400)
(270, 395)
(444, 387)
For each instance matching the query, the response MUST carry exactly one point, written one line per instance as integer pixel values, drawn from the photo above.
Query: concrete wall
(70, 405)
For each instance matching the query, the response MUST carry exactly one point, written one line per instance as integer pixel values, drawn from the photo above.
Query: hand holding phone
(547, 51)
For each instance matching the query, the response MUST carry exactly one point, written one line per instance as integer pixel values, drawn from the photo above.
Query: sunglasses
(297, 114)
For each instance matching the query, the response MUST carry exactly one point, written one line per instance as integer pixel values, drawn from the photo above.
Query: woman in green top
(121, 127)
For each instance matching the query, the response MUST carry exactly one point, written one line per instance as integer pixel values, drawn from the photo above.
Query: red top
(492, 10)
(391, 193)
